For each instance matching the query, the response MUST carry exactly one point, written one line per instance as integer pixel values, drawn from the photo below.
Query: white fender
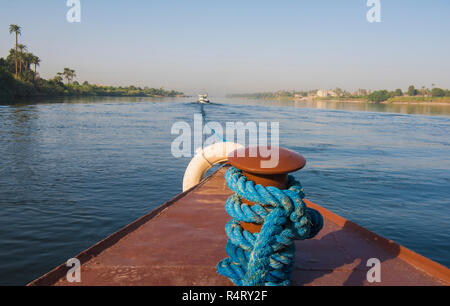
(204, 160)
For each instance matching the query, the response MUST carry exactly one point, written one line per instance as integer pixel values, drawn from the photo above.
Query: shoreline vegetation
(434, 96)
(20, 79)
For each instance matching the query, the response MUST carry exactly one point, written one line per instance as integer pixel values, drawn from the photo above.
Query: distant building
(360, 92)
(322, 93)
(326, 93)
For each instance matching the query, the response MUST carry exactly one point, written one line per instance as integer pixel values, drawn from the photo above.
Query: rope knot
(265, 258)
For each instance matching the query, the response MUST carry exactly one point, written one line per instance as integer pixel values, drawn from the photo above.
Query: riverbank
(434, 96)
(413, 101)
(13, 88)
(18, 80)
(396, 100)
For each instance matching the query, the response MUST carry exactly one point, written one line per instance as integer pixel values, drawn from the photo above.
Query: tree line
(384, 95)
(19, 78)
(378, 96)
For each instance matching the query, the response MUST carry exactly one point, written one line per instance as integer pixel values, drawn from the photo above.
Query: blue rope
(265, 258)
(206, 120)
(215, 133)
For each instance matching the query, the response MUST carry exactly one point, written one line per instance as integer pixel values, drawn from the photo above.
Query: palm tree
(72, 74)
(58, 78)
(36, 61)
(27, 60)
(22, 49)
(13, 28)
(69, 74)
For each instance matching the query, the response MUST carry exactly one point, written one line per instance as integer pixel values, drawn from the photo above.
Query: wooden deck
(180, 244)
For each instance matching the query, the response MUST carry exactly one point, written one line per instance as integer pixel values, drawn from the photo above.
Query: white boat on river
(203, 99)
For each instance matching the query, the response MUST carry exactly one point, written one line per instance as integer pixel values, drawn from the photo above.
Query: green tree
(13, 28)
(58, 79)
(7, 83)
(22, 48)
(36, 61)
(398, 93)
(379, 96)
(69, 75)
(11, 61)
(438, 92)
(27, 61)
(412, 91)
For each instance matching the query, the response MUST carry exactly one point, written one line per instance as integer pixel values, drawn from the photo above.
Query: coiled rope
(265, 258)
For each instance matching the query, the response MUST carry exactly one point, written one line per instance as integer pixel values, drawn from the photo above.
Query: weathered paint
(180, 244)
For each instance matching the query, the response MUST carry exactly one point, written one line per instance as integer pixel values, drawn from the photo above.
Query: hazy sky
(238, 46)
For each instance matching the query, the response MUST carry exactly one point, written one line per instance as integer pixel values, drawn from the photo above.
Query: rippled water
(72, 173)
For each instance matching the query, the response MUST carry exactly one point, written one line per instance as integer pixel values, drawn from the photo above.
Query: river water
(73, 172)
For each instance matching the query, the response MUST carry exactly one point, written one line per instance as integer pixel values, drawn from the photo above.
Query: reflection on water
(74, 171)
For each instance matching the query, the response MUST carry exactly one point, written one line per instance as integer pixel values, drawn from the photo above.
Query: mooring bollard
(249, 161)
(268, 213)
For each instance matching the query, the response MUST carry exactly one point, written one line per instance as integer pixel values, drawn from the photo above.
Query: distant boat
(203, 99)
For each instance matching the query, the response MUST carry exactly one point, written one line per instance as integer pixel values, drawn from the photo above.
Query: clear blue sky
(238, 46)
